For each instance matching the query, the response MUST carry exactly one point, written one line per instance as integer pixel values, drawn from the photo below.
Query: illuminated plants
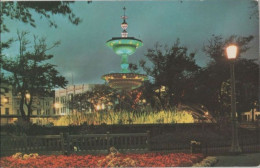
(127, 117)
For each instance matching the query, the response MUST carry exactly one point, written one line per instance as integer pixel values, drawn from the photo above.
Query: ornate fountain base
(124, 81)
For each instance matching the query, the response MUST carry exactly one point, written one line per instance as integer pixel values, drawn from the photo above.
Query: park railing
(67, 144)
(39, 144)
(93, 143)
(130, 142)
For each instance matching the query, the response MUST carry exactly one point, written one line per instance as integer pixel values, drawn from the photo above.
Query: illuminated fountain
(124, 46)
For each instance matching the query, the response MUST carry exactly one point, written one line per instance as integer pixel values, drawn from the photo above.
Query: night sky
(83, 52)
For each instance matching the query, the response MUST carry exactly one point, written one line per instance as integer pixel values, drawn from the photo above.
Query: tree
(213, 81)
(93, 99)
(254, 13)
(172, 71)
(31, 74)
(23, 11)
(111, 99)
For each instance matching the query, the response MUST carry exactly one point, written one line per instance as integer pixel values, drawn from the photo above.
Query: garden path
(244, 160)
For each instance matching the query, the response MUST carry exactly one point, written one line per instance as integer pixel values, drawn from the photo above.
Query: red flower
(139, 160)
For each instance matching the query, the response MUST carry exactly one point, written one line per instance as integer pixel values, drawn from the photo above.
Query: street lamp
(232, 51)
(56, 105)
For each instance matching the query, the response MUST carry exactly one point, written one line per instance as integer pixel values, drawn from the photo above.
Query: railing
(13, 144)
(66, 144)
(102, 142)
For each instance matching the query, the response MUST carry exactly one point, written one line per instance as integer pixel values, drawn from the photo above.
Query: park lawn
(111, 160)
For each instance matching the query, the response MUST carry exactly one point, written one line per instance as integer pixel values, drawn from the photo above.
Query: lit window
(6, 100)
(6, 111)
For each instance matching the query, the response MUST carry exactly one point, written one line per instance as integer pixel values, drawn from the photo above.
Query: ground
(244, 160)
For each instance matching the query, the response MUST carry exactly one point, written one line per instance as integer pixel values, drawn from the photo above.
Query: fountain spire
(124, 25)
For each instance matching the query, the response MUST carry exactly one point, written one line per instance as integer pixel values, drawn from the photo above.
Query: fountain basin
(124, 45)
(124, 81)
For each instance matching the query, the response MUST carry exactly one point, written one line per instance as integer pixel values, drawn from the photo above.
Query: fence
(100, 143)
(67, 144)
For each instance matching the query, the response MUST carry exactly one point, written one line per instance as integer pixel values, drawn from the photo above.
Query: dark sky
(83, 52)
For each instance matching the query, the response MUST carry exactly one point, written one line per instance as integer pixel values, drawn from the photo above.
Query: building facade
(10, 106)
(7, 105)
(64, 96)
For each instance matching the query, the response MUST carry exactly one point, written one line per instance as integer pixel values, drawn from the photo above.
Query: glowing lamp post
(56, 105)
(232, 51)
(27, 96)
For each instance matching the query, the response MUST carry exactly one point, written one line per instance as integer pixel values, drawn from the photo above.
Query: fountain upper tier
(124, 45)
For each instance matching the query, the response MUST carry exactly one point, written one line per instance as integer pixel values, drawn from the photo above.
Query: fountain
(124, 46)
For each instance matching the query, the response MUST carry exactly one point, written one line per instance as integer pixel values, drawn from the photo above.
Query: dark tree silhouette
(31, 72)
(172, 70)
(213, 81)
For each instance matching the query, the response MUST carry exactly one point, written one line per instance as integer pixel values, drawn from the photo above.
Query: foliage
(126, 117)
(100, 94)
(109, 98)
(254, 14)
(32, 75)
(118, 160)
(172, 70)
(23, 11)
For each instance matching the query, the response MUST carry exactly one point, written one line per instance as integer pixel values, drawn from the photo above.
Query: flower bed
(111, 160)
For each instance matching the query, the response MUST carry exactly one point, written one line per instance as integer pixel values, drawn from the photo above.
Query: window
(38, 111)
(57, 99)
(6, 90)
(56, 111)
(6, 111)
(63, 99)
(70, 96)
(18, 111)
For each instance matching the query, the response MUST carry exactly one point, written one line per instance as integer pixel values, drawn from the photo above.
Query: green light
(122, 46)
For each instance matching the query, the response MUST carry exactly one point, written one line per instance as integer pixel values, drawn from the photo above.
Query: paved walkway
(245, 160)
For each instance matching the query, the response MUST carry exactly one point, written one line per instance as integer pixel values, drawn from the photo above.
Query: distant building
(45, 109)
(64, 96)
(10, 106)
(6, 103)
